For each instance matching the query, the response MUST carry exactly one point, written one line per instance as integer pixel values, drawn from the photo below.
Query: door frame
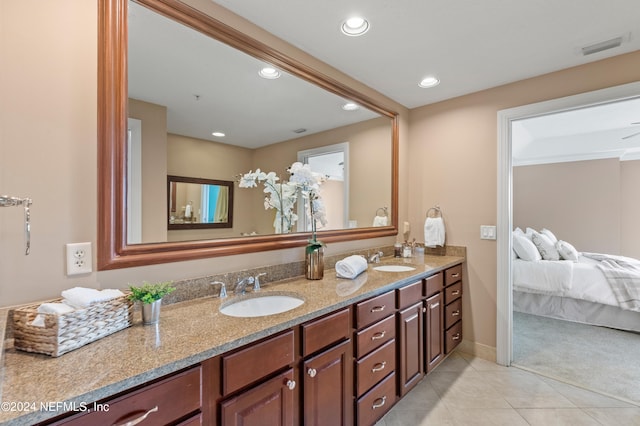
(506, 117)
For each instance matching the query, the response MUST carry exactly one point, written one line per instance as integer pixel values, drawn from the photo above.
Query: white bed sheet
(584, 282)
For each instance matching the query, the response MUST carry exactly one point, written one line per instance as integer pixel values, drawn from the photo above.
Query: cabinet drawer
(408, 295)
(453, 292)
(257, 361)
(165, 402)
(452, 275)
(375, 366)
(320, 333)
(453, 337)
(433, 284)
(375, 403)
(375, 309)
(452, 313)
(375, 335)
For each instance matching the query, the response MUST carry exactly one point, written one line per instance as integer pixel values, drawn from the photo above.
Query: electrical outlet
(78, 258)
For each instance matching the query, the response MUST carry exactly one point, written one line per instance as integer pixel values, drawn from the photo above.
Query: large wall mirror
(180, 95)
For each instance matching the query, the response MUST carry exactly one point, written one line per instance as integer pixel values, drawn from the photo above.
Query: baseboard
(478, 349)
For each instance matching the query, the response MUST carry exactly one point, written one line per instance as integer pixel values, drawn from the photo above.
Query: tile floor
(465, 390)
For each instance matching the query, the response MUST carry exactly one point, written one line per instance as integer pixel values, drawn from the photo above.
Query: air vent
(603, 45)
(300, 130)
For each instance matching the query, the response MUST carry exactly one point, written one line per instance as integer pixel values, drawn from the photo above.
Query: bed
(581, 290)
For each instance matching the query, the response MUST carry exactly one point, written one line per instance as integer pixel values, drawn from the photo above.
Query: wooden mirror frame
(113, 250)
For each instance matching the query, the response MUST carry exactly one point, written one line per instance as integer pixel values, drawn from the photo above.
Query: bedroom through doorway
(571, 167)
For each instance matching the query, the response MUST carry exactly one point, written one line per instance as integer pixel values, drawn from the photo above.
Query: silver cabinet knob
(312, 372)
(291, 384)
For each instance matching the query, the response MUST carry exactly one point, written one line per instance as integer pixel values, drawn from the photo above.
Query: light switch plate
(407, 228)
(487, 232)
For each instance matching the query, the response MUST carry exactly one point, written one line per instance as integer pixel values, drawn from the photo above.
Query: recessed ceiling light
(269, 73)
(430, 81)
(350, 106)
(218, 134)
(355, 26)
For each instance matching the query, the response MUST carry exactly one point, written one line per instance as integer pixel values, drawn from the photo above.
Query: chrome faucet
(256, 283)
(375, 258)
(223, 288)
(241, 285)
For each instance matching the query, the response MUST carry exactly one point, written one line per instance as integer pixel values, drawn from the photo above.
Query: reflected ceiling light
(355, 26)
(269, 73)
(350, 106)
(430, 81)
(218, 134)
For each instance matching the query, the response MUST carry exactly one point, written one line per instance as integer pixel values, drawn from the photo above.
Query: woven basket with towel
(57, 327)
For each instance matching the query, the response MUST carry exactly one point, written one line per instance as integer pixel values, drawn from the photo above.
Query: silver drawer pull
(455, 313)
(378, 335)
(456, 336)
(435, 305)
(378, 308)
(379, 367)
(312, 372)
(455, 292)
(291, 384)
(139, 419)
(377, 404)
(456, 275)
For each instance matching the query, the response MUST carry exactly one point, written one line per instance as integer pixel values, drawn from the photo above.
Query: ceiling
(469, 45)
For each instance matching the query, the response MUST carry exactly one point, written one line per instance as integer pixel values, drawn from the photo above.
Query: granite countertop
(188, 333)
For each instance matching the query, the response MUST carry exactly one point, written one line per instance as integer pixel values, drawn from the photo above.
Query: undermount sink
(393, 268)
(260, 304)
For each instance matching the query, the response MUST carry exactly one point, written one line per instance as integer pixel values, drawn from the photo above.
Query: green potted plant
(150, 296)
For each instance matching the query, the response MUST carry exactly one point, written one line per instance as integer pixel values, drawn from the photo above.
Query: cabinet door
(411, 343)
(328, 387)
(434, 336)
(269, 403)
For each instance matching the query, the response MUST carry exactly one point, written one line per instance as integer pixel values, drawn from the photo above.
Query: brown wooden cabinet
(347, 367)
(375, 356)
(175, 398)
(327, 370)
(410, 347)
(269, 403)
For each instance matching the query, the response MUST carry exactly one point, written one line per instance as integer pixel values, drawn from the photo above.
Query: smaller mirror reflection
(199, 203)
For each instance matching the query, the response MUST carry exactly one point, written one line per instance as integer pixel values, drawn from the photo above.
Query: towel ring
(384, 211)
(436, 210)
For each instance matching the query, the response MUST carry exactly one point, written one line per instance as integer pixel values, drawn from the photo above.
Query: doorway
(506, 119)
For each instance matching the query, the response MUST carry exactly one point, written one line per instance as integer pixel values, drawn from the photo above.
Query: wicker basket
(66, 332)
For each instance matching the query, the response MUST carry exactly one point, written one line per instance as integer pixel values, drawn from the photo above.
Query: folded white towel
(351, 266)
(434, 232)
(50, 308)
(380, 221)
(81, 297)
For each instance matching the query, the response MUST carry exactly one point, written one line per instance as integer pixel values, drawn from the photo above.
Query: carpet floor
(596, 358)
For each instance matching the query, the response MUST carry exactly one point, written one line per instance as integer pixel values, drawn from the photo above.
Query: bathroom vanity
(346, 356)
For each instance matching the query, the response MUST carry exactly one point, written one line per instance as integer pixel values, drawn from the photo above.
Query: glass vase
(314, 264)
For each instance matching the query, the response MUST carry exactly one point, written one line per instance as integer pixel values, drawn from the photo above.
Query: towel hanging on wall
(381, 219)
(434, 230)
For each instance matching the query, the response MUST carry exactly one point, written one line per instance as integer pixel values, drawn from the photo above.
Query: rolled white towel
(434, 232)
(50, 308)
(351, 266)
(380, 221)
(81, 297)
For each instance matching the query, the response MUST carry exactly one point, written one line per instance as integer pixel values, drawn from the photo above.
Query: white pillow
(529, 233)
(545, 246)
(525, 249)
(567, 251)
(549, 235)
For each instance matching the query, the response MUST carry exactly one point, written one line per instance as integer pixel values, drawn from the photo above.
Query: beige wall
(630, 208)
(48, 151)
(154, 168)
(580, 202)
(453, 162)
